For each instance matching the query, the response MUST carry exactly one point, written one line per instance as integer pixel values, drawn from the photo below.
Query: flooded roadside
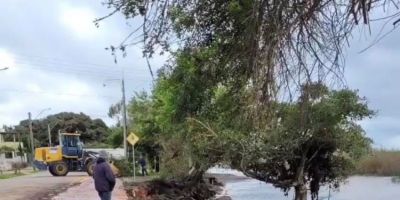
(356, 188)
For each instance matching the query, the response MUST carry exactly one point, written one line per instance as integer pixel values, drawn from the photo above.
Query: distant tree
(116, 137)
(91, 129)
(115, 111)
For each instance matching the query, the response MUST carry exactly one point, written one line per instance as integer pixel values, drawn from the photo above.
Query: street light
(5, 68)
(49, 130)
(41, 112)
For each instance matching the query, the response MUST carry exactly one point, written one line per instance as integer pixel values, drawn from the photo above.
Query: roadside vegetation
(380, 163)
(10, 175)
(18, 168)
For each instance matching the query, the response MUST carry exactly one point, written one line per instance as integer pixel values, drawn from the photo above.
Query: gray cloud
(59, 60)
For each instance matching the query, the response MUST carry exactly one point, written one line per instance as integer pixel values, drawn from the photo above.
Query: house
(7, 157)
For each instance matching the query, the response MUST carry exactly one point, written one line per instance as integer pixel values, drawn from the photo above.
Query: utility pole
(31, 138)
(124, 117)
(20, 147)
(49, 130)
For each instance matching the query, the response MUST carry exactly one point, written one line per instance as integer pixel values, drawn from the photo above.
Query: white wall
(115, 153)
(5, 163)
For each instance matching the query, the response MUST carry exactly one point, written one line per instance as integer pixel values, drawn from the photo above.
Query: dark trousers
(144, 171)
(105, 195)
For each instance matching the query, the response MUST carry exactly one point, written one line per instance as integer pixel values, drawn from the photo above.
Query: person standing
(104, 179)
(143, 165)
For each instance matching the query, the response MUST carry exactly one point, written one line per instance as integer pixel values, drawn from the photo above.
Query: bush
(116, 138)
(176, 159)
(124, 166)
(380, 163)
(18, 165)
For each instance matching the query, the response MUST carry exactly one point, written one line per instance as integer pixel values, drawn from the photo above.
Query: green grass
(11, 175)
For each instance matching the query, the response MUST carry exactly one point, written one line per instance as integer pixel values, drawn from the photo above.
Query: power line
(56, 94)
(63, 66)
(56, 69)
(80, 68)
(60, 61)
(72, 66)
(88, 74)
(77, 65)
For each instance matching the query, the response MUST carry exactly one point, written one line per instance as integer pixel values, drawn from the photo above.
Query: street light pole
(125, 123)
(49, 130)
(31, 138)
(42, 111)
(124, 117)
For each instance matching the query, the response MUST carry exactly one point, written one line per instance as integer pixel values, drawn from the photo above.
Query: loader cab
(71, 145)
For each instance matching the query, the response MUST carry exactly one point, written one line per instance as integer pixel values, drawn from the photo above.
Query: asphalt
(39, 186)
(86, 191)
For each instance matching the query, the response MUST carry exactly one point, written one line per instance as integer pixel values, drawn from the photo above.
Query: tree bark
(300, 187)
(300, 192)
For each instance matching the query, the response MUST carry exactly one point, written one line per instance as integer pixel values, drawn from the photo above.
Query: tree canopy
(269, 45)
(92, 130)
(316, 141)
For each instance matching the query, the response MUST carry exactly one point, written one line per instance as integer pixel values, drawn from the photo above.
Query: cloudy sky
(57, 60)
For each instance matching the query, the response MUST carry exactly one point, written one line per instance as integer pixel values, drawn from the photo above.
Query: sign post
(134, 166)
(133, 139)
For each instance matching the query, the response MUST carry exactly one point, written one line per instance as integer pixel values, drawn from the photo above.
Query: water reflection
(356, 188)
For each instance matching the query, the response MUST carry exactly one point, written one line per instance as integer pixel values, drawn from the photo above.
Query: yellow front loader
(66, 157)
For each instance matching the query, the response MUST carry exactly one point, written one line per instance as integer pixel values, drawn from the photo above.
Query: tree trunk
(300, 188)
(300, 192)
(194, 178)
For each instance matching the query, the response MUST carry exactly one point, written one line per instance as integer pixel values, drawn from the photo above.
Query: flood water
(356, 188)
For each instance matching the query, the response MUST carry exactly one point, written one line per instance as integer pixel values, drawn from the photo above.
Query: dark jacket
(104, 179)
(142, 162)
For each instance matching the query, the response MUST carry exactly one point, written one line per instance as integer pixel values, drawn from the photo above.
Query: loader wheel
(60, 169)
(51, 170)
(90, 167)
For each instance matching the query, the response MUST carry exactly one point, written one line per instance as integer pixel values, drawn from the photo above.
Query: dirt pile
(171, 190)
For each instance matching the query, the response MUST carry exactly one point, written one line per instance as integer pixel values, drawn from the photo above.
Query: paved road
(38, 186)
(86, 191)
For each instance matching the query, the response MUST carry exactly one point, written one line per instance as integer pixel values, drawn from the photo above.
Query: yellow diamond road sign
(132, 139)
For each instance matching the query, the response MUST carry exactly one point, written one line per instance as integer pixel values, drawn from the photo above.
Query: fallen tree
(242, 75)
